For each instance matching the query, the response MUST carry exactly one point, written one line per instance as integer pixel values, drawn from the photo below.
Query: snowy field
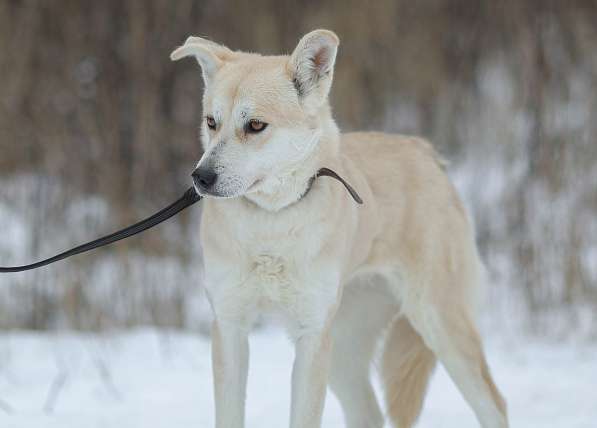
(151, 379)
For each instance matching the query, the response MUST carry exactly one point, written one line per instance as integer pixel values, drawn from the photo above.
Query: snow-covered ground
(152, 379)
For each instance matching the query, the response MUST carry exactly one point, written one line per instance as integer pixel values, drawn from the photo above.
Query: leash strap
(330, 173)
(188, 199)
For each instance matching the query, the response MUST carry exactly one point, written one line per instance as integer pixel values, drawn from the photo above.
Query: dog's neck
(289, 186)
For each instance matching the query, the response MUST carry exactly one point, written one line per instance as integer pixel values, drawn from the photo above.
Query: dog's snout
(204, 178)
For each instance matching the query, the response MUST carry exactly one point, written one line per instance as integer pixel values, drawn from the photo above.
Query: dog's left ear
(210, 55)
(311, 65)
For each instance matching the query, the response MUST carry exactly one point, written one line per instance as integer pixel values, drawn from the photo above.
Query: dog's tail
(406, 367)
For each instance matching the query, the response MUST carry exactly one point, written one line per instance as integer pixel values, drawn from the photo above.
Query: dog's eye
(211, 122)
(255, 126)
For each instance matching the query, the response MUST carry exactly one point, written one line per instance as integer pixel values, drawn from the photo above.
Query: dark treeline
(92, 110)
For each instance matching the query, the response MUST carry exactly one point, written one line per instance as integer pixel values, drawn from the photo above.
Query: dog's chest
(276, 268)
(272, 262)
(273, 279)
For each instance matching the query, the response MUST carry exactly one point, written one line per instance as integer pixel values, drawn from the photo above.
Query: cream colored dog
(403, 264)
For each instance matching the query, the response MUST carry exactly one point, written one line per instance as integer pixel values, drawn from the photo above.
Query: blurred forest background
(98, 129)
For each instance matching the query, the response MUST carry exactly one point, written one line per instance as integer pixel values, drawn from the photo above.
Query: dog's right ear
(210, 55)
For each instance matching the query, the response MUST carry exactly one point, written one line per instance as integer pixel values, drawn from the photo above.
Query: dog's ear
(311, 65)
(210, 55)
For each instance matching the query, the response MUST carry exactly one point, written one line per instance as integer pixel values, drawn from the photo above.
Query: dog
(400, 271)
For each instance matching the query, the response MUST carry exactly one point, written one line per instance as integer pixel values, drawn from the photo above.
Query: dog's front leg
(230, 358)
(310, 378)
(313, 349)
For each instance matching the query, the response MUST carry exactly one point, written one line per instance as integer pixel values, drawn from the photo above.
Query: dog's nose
(204, 178)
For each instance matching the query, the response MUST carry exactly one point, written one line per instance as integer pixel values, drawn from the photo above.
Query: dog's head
(261, 113)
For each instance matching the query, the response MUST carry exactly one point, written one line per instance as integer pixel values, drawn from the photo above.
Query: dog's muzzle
(204, 179)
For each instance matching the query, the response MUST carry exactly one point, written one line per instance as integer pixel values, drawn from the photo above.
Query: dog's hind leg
(362, 316)
(448, 329)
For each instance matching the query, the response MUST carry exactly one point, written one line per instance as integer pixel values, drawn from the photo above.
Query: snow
(154, 378)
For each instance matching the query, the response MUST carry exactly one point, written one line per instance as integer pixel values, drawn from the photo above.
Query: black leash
(326, 172)
(188, 199)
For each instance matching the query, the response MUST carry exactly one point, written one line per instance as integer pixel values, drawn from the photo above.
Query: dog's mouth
(254, 186)
(227, 194)
(214, 194)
